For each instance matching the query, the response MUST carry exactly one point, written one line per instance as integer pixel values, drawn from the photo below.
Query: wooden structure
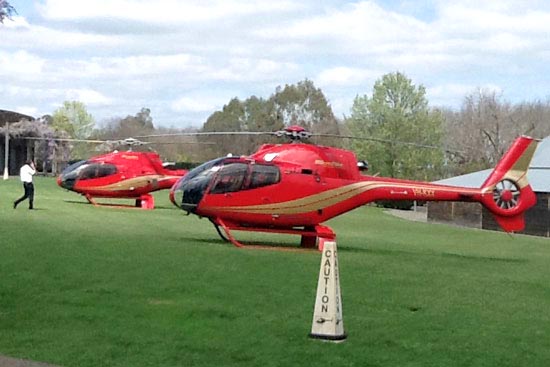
(537, 218)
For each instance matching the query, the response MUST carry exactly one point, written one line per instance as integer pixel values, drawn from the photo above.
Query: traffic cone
(328, 323)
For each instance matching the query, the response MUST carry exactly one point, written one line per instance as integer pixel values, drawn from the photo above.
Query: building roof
(11, 116)
(542, 155)
(538, 174)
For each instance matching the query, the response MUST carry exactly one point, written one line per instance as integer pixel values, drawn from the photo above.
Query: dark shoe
(14, 205)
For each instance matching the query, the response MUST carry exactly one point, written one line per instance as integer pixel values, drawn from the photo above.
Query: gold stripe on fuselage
(331, 197)
(133, 183)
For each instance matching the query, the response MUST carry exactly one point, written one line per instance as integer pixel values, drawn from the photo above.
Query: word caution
(328, 323)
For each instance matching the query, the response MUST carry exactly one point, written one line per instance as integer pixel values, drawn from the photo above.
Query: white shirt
(26, 172)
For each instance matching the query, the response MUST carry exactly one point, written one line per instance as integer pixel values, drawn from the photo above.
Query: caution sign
(328, 322)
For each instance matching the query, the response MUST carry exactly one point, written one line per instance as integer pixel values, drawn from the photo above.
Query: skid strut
(311, 236)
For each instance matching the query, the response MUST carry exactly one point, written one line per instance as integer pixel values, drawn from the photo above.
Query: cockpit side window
(230, 178)
(73, 167)
(263, 175)
(96, 171)
(106, 170)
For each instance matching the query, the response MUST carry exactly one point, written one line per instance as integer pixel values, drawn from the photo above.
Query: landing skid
(143, 202)
(311, 237)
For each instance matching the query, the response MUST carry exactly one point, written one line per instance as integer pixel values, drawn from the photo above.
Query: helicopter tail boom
(506, 192)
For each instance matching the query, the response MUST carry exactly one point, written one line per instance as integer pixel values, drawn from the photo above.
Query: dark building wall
(459, 213)
(537, 219)
(19, 149)
(18, 154)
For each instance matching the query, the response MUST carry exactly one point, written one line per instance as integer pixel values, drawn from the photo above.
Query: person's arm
(33, 168)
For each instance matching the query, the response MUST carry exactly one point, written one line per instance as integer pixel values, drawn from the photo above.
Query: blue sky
(186, 59)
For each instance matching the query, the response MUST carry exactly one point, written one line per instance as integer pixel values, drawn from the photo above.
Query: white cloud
(17, 22)
(454, 93)
(484, 17)
(20, 64)
(28, 110)
(88, 96)
(187, 58)
(346, 76)
(160, 11)
(194, 104)
(46, 39)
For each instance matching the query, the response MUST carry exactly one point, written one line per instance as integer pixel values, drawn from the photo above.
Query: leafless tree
(6, 10)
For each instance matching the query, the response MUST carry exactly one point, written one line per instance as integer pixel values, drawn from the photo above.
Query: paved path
(420, 215)
(13, 362)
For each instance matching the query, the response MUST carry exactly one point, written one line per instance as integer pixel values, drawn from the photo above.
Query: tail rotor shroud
(506, 194)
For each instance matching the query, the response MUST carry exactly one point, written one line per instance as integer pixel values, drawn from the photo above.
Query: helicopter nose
(174, 195)
(65, 182)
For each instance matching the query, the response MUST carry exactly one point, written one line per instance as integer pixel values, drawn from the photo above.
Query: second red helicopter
(120, 175)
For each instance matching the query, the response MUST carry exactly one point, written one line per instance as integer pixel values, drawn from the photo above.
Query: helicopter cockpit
(84, 170)
(220, 176)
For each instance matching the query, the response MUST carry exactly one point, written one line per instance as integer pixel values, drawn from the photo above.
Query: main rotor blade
(256, 133)
(64, 139)
(389, 141)
(126, 141)
(208, 133)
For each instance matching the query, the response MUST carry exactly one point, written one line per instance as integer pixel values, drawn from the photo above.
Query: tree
(74, 120)
(486, 125)
(303, 104)
(140, 124)
(6, 10)
(398, 112)
(130, 126)
(300, 104)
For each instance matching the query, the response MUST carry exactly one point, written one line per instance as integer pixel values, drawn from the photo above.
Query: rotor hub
(294, 133)
(506, 194)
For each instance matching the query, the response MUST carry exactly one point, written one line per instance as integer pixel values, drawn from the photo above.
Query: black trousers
(29, 194)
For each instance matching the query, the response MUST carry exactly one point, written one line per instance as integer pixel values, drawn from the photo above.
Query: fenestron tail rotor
(506, 194)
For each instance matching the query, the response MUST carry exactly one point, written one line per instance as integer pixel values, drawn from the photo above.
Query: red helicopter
(121, 175)
(294, 188)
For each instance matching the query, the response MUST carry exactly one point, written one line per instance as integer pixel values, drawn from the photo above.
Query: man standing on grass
(26, 172)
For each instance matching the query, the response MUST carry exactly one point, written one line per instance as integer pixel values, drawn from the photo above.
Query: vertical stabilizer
(506, 192)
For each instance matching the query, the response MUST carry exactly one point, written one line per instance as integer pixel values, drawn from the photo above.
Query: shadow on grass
(254, 245)
(377, 251)
(118, 206)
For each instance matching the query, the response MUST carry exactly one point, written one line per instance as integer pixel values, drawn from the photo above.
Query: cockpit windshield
(189, 190)
(85, 170)
(222, 175)
(73, 167)
(203, 169)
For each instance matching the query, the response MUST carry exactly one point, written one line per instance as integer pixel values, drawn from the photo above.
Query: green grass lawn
(87, 286)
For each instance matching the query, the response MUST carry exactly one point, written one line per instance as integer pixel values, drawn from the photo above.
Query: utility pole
(6, 152)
